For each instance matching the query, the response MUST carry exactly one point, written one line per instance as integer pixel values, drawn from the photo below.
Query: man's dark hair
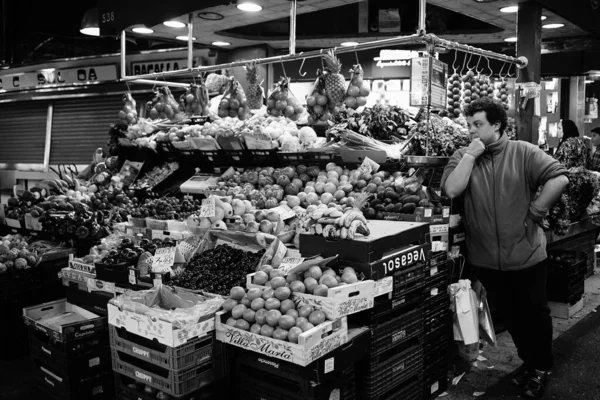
(494, 111)
(569, 129)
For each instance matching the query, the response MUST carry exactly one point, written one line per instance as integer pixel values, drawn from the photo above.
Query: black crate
(13, 334)
(117, 273)
(396, 331)
(435, 382)
(240, 157)
(380, 374)
(435, 351)
(216, 158)
(131, 389)
(566, 277)
(63, 350)
(255, 384)
(437, 318)
(63, 386)
(385, 308)
(96, 301)
(263, 158)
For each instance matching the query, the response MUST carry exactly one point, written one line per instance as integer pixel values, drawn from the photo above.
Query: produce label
(289, 263)
(87, 268)
(167, 234)
(329, 365)
(384, 286)
(369, 165)
(163, 259)
(208, 207)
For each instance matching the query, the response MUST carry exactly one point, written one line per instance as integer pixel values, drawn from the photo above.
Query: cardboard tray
(312, 344)
(162, 331)
(92, 326)
(386, 237)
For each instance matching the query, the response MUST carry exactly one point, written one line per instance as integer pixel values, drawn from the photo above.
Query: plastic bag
(195, 100)
(234, 103)
(486, 326)
(317, 103)
(465, 306)
(179, 307)
(164, 106)
(282, 102)
(128, 114)
(356, 95)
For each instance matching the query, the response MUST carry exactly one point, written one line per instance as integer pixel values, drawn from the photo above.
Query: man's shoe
(537, 384)
(521, 376)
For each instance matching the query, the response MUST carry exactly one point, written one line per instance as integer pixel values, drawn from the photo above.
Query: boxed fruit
(385, 237)
(312, 343)
(169, 315)
(64, 321)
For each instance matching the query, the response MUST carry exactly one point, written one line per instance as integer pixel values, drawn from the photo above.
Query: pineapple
(335, 84)
(254, 92)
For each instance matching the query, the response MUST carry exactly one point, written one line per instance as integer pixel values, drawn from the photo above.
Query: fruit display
(164, 106)
(378, 122)
(282, 102)
(16, 253)
(254, 91)
(470, 88)
(195, 100)
(502, 92)
(454, 95)
(217, 270)
(165, 208)
(335, 83)
(155, 176)
(317, 103)
(438, 137)
(128, 114)
(234, 103)
(356, 95)
(79, 225)
(309, 277)
(333, 223)
(270, 312)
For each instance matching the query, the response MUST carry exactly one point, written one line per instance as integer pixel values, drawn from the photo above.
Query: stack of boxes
(566, 276)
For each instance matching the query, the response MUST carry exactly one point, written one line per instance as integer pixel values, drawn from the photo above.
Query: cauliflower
(21, 263)
(291, 144)
(3, 268)
(12, 255)
(23, 253)
(4, 249)
(307, 135)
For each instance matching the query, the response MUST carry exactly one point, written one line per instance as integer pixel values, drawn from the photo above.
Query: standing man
(594, 161)
(506, 246)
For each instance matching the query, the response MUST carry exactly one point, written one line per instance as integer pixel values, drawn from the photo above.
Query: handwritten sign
(163, 259)
(288, 263)
(208, 207)
(369, 165)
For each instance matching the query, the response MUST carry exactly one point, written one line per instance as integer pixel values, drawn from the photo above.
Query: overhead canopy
(115, 16)
(583, 13)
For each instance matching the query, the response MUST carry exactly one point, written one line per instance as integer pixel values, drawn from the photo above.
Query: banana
(342, 220)
(68, 181)
(335, 213)
(344, 233)
(327, 212)
(319, 229)
(351, 233)
(317, 215)
(328, 231)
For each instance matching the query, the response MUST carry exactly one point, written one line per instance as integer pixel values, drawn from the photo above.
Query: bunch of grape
(470, 88)
(454, 95)
(502, 93)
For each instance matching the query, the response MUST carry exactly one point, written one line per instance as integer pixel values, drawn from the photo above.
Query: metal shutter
(23, 132)
(80, 126)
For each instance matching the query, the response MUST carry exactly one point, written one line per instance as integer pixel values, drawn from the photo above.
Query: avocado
(409, 208)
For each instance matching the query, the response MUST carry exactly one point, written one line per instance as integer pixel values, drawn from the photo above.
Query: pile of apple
(270, 312)
(316, 280)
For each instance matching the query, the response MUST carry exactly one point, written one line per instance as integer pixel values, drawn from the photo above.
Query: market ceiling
(54, 32)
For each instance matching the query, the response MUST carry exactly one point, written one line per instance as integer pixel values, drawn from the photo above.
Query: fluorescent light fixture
(143, 30)
(544, 17)
(588, 82)
(221, 43)
(174, 24)
(90, 31)
(184, 38)
(347, 44)
(509, 9)
(249, 7)
(89, 23)
(553, 26)
(511, 39)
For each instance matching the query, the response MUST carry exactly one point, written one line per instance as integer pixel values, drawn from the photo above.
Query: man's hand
(538, 215)
(476, 148)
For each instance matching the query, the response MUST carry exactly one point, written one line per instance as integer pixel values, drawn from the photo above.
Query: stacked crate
(437, 326)
(258, 376)
(566, 276)
(71, 361)
(147, 369)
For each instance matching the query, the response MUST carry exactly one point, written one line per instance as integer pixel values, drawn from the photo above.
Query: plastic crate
(436, 272)
(408, 390)
(435, 382)
(131, 389)
(259, 158)
(383, 377)
(65, 349)
(396, 331)
(195, 352)
(175, 383)
(437, 319)
(255, 384)
(288, 158)
(216, 158)
(566, 277)
(435, 352)
(240, 157)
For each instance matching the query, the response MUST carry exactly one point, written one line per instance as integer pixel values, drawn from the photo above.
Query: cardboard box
(312, 344)
(162, 331)
(92, 324)
(386, 237)
(83, 267)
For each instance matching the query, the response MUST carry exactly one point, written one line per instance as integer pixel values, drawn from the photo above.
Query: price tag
(208, 207)
(94, 361)
(329, 365)
(438, 246)
(167, 234)
(288, 263)
(433, 271)
(433, 229)
(369, 165)
(284, 212)
(434, 292)
(384, 286)
(428, 212)
(163, 259)
(132, 278)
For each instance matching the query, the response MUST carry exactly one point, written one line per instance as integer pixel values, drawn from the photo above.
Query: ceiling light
(544, 17)
(143, 30)
(510, 39)
(89, 23)
(249, 7)
(174, 24)
(588, 82)
(184, 38)
(509, 9)
(210, 16)
(552, 26)
(221, 44)
(347, 44)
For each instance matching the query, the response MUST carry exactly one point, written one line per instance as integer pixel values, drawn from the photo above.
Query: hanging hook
(322, 65)
(356, 55)
(501, 69)
(489, 67)
(283, 67)
(154, 86)
(128, 88)
(468, 67)
(303, 74)
(464, 64)
(476, 70)
(454, 62)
